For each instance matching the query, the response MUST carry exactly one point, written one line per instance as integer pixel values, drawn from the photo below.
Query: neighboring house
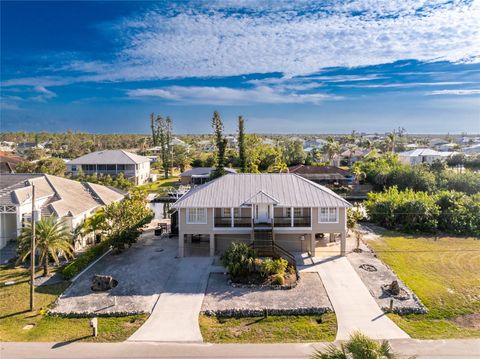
(323, 174)
(7, 146)
(420, 155)
(472, 150)
(113, 162)
(273, 210)
(352, 156)
(232, 141)
(205, 146)
(157, 150)
(24, 146)
(447, 147)
(199, 175)
(8, 162)
(63, 198)
(309, 145)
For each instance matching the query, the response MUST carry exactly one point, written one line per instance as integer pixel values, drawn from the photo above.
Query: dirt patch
(468, 321)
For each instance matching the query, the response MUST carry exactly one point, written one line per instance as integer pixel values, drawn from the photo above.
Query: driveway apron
(175, 315)
(354, 306)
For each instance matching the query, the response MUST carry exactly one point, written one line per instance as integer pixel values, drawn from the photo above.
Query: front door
(262, 213)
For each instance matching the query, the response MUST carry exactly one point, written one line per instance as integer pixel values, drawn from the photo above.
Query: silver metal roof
(235, 190)
(203, 171)
(109, 157)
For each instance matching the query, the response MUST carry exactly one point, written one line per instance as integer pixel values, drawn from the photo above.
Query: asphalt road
(405, 347)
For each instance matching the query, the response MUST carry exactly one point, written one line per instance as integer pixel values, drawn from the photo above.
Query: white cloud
(458, 92)
(229, 96)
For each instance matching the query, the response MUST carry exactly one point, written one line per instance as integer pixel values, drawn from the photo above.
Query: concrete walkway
(354, 306)
(175, 315)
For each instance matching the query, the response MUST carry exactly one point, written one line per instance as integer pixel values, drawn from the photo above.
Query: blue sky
(287, 67)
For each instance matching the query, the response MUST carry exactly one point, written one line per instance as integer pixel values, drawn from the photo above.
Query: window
(328, 215)
(74, 168)
(227, 212)
(297, 212)
(196, 216)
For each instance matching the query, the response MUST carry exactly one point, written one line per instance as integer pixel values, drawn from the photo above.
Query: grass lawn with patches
(15, 315)
(444, 274)
(273, 329)
(160, 186)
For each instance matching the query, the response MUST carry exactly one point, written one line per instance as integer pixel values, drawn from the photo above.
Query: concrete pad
(354, 307)
(175, 315)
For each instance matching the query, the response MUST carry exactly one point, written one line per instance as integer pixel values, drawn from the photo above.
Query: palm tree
(359, 346)
(94, 223)
(52, 240)
(331, 148)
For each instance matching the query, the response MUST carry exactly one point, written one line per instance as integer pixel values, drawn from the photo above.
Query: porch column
(181, 245)
(343, 244)
(291, 217)
(231, 218)
(312, 245)
(212, 244)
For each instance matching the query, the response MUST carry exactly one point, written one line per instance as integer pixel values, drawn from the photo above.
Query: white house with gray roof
(63, 198)
(265, 210)
(112, 162)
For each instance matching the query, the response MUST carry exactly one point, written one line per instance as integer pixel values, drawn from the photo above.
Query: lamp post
(32, 253)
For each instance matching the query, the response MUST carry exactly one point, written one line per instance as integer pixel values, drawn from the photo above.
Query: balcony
(297, 221)
(241, 222)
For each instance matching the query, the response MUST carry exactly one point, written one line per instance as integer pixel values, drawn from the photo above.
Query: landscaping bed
(271, 329)
(308, 297)
(376, 275)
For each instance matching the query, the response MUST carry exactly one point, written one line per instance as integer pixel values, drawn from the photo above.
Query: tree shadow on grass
(67, 342)
(13, 314)
(255, 321)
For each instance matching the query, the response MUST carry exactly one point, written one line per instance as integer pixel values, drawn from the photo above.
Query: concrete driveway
(175, 316)
(354, 306)
(142, 272)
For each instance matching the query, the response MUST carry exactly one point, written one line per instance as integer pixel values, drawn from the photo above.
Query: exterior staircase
(265, 246)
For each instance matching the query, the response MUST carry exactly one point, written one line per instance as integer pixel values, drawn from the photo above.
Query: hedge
(92, 253)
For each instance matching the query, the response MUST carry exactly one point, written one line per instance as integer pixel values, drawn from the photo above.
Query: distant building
(55, 196)
(447, 147)
(420, 155)
(472, 150)
(24, 146)
(112, 162)
(323, 174)
(199, 175)
(435, 142)
(310, 145)
(7, 146)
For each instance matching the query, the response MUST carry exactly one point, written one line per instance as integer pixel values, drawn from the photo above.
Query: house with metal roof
(420, 155)
(66, 199)
(323, 174)
(136, 168)
(279, 212)
(199, 175)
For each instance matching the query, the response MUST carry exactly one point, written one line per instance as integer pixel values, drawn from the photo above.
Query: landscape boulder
(102, 283)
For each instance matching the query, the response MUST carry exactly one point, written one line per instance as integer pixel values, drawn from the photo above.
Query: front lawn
(444, 273)
(273, 329)
(160, 186)
(17, 323)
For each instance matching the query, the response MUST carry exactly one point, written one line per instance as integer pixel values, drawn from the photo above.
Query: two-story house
(112, 162)
(280, 209)
(69, 200)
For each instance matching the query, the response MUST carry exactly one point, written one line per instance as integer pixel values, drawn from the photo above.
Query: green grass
(160, 186)
(15, 315)
(444, 273)
(273, 329)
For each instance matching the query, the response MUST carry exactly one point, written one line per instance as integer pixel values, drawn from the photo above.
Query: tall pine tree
(221, 144)
(242, 156)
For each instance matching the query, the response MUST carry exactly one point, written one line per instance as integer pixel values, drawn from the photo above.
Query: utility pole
(32, 253)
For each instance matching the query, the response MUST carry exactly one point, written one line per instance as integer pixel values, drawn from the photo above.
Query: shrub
(279, 279)
(273, 266)
(239, 259)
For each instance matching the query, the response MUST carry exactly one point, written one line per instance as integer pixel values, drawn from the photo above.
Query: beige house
(267, 210)
(112, 162)
(63, 198)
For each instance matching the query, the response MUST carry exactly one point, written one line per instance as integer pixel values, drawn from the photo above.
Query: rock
(103, 282)
(394, 288)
